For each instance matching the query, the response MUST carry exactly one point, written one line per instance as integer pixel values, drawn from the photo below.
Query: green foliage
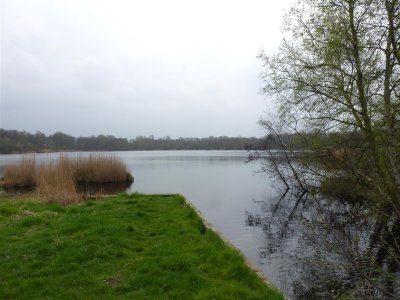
(336, 81)
(346, 189)
(12, 141)
(129, 247)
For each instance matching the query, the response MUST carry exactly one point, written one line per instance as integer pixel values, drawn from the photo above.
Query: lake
(246, 206)
(220, 185)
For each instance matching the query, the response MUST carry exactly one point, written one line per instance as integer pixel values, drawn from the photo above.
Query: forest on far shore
(13, 141)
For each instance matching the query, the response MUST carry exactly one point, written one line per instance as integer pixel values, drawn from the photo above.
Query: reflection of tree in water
(335, 249)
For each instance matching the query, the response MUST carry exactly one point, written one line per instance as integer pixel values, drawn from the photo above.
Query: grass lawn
(133, 247)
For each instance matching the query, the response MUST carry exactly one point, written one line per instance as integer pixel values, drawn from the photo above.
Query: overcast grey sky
(127, 68)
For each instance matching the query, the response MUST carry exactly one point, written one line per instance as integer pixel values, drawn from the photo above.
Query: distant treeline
(13, 141)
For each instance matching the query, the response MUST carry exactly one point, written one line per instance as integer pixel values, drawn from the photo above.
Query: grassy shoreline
(136, 246)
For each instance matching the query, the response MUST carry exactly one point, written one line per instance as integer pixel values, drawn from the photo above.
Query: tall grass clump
(100, 169)
(55, 182)
(21, 175)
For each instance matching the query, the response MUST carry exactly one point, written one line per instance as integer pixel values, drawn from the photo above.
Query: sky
(129, 68)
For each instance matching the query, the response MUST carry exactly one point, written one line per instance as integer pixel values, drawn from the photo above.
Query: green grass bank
(128, 247)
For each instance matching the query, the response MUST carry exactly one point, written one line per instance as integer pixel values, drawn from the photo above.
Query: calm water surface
(231, 194)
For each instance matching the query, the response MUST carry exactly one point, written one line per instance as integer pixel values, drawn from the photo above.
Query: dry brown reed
(22, 174)
(55, 182)
(99, 169)
(56, 179)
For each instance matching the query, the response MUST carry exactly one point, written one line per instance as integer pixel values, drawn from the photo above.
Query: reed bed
(55, 180)
(21, 175)
(96, 169)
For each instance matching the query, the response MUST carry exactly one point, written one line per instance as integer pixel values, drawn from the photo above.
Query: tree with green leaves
(338, 71)
(336, 82)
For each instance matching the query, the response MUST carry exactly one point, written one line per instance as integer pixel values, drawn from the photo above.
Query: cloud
(177, 68)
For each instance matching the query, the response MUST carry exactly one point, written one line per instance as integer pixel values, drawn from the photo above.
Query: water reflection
(334, 249)
(85, 189)
(294, 240)
(94, 189)
(16, 190)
